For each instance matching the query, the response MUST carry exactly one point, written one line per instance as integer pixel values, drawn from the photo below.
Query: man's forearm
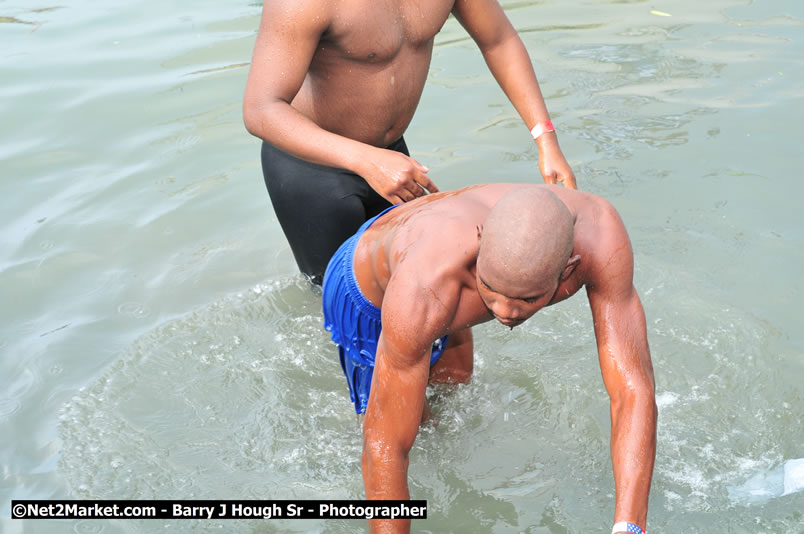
(385, 476)
(286, 128)
(633, 450)
(511, 66)
(509, 62)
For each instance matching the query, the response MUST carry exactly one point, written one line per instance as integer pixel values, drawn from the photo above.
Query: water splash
(242, 399)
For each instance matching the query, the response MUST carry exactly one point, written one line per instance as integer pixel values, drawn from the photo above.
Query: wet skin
(427, 284)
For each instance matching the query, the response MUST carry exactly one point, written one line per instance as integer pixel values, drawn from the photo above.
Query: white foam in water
(760, 488)
(666, 399)
(793, 476)
(212, 404)
(766, 485)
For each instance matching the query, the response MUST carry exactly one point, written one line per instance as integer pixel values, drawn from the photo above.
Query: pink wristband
(542, 127)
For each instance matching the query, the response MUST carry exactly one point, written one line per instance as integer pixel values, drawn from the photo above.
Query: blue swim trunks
(354, 322)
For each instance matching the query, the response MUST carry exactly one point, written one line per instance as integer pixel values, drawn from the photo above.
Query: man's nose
(506, 309)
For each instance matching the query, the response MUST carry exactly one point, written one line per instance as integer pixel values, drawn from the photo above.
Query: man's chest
(377, 30)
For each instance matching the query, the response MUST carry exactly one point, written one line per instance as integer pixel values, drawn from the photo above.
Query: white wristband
(627, 526)
(542, 127)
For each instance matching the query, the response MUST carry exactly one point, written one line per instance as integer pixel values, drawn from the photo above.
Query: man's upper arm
(412, 320)
(289, 33)
(484, 20)
(619, 319)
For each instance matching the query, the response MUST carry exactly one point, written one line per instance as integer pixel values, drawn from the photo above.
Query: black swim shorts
(318, 207)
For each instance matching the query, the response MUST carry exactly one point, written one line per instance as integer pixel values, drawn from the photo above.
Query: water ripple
(8, 407)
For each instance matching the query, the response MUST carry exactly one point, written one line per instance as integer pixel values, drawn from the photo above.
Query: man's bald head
(526, 240)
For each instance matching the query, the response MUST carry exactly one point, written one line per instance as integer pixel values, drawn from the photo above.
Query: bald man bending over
(401, 296)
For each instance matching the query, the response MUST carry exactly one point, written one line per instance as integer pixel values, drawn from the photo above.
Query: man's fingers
(423, 168)
(410, 187)
(567, 180)
(427, 183)
(405, 195)
(419, 185)
(423, 183)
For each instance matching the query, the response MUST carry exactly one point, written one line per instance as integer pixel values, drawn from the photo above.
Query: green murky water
(156, 342)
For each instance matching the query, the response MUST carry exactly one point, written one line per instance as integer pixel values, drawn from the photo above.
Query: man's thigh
(317, 207)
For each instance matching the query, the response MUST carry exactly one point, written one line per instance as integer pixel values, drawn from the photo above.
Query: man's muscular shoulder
(419, 306)
(298, 13)
(294, 22)
(605, 247)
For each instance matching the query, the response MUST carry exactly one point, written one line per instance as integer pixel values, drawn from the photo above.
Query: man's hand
(395, 176)
(552, 164)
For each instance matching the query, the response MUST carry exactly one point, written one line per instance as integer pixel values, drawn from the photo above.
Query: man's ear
(569, 268)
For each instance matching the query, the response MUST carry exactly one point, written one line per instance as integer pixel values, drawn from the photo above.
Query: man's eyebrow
(485, 284)
(536, 297)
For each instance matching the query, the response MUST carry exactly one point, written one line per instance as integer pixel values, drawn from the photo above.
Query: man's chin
(509, 322)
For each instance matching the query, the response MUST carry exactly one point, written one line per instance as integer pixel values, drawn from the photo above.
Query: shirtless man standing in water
(332, 87)
(400, 299)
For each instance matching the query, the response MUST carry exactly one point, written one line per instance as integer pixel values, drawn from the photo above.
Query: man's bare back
(446, 262)
(446, 257)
